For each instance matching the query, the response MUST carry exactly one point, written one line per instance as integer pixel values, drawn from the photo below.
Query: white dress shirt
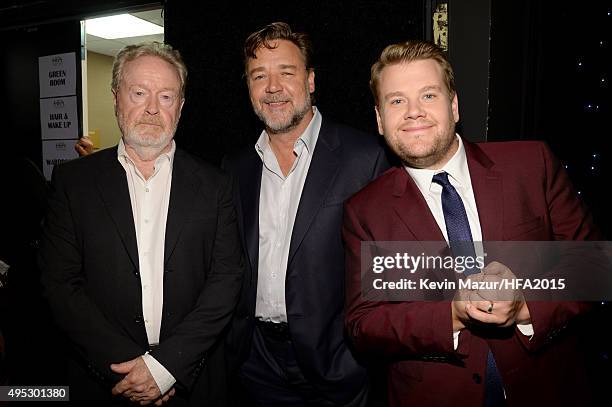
(278, 203)
(459, 177)
(150, 199)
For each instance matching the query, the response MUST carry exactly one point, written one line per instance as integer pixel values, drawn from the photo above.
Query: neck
(144, 158)
(283, 142)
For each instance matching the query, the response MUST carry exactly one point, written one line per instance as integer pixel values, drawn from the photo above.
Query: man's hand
(84, 146)
(165, 397)
(496, 307)
(138, 385)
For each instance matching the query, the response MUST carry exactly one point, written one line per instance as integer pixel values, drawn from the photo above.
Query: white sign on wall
(59, 122)
(57, 75)
(58, 118)
(56, 152)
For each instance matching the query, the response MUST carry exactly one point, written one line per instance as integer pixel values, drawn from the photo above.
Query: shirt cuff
(163, 378)
(526, 329)
(456, 339)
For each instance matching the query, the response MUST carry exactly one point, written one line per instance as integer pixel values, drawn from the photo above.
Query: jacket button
(138, 319)
(477, 379)
(136, 273)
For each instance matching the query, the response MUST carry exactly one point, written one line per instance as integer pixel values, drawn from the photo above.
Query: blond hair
(412, 50)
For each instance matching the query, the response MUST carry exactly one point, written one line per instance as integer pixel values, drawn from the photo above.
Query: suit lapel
(112, 184)
(488, 192)
(182, 196)
(321, 174)
(250, 188)
(412, 209)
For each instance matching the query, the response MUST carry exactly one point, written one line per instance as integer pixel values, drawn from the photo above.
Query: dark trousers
(272, 377)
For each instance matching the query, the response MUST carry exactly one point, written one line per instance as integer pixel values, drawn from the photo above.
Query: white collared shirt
(278, 203)
(150, 199)
(459, 177)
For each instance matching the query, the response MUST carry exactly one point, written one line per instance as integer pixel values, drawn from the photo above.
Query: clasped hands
(490, 307)
(138, 385)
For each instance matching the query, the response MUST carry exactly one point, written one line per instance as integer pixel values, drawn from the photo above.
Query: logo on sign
(60, 146)
(58, 103)
(57, 61)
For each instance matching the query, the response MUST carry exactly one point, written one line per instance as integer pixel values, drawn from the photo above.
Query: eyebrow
(258, 69)
(393, 94)
(431, 87)
(287, 66)
(423, 89)
(164, 89)
(281, 66)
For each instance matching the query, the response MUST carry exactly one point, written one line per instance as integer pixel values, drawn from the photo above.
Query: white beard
(147, 148)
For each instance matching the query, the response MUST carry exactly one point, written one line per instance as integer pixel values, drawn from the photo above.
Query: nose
(414, 110)
(273, 85)
(152, 105)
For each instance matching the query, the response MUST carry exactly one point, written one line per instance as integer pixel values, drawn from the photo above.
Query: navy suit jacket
(344, 161)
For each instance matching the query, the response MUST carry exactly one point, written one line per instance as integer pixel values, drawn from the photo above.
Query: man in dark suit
(141, 255)
(287, 335)
(462, 353)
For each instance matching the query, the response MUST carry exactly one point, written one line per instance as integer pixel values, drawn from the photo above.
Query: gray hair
(156, 49)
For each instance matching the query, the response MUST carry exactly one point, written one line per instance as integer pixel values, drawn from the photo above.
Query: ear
(455, 107)
(114, 92)
(311, 81)
(181, 107)
(379, 121)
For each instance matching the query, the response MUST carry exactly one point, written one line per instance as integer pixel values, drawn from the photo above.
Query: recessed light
(121, 26)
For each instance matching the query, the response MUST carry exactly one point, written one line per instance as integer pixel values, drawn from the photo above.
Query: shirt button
(146, 189)
(278, 244)
(144, 287)
(146, 321)
(146, 220)
(273, 275)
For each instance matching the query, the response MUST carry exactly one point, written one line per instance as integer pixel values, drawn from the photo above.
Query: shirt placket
(281, 235)
(146, 228)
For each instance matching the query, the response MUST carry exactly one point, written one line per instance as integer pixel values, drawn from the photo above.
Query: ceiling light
(121, 26)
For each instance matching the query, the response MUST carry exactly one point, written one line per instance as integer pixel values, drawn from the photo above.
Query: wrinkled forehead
(279, 52)
(151, 68)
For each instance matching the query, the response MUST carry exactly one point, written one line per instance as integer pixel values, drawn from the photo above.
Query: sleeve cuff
(163, 378)
(456, 339)
(526, 329)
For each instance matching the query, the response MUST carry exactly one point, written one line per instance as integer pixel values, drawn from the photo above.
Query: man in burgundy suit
(440, 352)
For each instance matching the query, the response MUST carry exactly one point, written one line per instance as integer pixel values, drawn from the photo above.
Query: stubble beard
(287, 123)
(433, 155)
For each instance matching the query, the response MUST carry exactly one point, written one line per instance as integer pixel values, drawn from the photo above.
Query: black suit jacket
(89, 262)
(343, 162)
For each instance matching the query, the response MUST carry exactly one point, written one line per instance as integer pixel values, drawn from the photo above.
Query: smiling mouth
(417, 128)
(277, 103)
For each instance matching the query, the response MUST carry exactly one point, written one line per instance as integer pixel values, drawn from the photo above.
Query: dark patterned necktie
(461, 244)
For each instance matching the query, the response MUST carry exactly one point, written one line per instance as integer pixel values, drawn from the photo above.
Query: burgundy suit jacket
(522, 193)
